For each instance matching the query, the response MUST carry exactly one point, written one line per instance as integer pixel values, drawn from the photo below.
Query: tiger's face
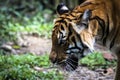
(60, 44)
(67, 45)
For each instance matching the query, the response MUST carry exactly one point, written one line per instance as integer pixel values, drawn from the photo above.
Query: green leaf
(93, 59)
(16, 46)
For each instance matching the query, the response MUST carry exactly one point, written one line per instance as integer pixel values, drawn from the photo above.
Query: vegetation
(22, 16)
(96, 60)
(21, 67)
(36, 24)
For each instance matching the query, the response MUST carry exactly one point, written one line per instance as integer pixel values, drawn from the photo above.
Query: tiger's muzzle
(63, 60)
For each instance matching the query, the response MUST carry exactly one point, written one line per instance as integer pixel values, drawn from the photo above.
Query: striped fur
(103, 26)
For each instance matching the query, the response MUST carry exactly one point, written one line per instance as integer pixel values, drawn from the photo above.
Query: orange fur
(105, 13)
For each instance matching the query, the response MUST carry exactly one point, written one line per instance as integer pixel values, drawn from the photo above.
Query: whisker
(68, 67)
(72, 66)
(62, 61)
(68, 64)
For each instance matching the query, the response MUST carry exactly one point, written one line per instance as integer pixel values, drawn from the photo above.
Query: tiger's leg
(117, 76)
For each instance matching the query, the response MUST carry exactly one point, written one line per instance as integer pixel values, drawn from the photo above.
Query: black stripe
(73, 39)
(55, 26)
(62, 28)
(102, 25)
(69, 19)
(81, 16)
(70, 31)
(72, 15)
(113, 41)
(106, 32)
(85, 4)
(76, 46)
(61, 21)
(76, 11)
(81, 41)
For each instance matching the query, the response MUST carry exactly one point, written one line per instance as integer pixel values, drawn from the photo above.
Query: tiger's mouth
(69, 64)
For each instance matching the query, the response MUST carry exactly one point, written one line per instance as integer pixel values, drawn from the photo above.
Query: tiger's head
(67, 45)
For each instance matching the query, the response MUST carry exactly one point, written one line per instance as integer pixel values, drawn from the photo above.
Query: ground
(40, 46)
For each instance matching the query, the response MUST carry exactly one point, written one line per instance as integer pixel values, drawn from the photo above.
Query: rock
(108, 71)
(21, 41)
(108, 56)
(6, 47)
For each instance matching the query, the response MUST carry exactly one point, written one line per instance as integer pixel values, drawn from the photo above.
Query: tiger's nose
(53, 60)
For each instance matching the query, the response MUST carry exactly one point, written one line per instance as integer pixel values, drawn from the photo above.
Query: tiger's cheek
(88, 39)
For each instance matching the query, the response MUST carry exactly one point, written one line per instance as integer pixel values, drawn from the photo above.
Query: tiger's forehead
(69, 16)
(58, 25)
(65, 19)
(73, 16)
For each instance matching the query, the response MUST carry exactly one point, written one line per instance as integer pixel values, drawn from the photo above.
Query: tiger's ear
(62, 8)
(86, 16)
(84, 23)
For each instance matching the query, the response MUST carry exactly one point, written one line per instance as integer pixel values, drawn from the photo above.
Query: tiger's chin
(70, 64)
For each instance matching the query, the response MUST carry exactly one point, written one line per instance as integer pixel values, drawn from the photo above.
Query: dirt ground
(40, 46)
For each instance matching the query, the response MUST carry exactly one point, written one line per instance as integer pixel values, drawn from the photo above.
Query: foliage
(24, 16)
(37, 24)
(20, 67)
(96, 59)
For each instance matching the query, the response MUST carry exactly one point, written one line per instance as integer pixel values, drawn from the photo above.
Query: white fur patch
(79, 44)
(64, 8)
(77, 28)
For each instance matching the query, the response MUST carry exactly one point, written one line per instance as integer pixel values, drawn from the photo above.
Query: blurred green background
(29, 16)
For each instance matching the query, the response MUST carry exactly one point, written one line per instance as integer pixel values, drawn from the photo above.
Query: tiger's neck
(104, 22)
(110, 33)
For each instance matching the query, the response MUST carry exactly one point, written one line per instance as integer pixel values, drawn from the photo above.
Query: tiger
(76, 31)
